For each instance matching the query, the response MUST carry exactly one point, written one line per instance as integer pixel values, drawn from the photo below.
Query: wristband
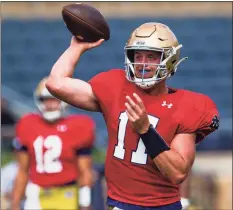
(85, 196)
(153, 142)
(185, 203)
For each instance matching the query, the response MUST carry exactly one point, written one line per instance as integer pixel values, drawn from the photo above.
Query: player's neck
(158, 89)
(54, 122)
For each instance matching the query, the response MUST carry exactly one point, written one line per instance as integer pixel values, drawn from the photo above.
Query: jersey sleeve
(84, 151)
(202, 119)
(103, 87)
(20, 141)
(18, 146)
(85, 133)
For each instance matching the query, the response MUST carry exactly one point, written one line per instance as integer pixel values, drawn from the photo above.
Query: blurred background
(34, 36)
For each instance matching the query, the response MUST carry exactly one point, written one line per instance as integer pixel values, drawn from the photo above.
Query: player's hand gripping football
(137, 114)
(84, 46)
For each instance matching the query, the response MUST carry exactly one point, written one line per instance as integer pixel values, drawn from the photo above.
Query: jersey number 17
(139, 156)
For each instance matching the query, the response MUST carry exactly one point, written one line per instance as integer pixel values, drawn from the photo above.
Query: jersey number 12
(48, 161)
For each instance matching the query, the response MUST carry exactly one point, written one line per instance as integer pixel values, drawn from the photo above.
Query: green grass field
(6, 157)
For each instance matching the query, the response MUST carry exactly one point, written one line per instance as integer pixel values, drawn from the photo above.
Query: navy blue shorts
(126, 206)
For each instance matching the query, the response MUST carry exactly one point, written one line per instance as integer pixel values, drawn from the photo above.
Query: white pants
(32, 201)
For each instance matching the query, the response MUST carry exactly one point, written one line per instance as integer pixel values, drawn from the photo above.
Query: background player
(152, 128)
(8, 175)
(185, 192)
(53, 154)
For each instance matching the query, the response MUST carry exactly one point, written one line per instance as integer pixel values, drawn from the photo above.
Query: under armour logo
(62, 128)
(215, 122)
(168, 105)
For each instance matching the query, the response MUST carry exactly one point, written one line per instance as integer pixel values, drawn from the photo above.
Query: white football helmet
(41, 93)
(153, 37)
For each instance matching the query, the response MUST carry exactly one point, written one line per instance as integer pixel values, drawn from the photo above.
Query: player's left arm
(21, 179)
(84, 161)
(85, 178)
(174, 161)
(185, 192)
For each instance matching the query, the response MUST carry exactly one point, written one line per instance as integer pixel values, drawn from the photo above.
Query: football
(85, 22)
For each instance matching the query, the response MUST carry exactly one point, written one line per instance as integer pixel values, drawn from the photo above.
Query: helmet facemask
(50, 116)
(154, 37)
(162, 72)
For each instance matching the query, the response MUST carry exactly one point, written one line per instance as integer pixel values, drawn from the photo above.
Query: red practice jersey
(53, 146)
(131, 175)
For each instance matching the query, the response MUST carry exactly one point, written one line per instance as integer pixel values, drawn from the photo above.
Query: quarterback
(152, 128)
(54, 156)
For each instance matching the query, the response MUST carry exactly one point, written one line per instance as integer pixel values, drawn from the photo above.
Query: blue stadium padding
(31, 47)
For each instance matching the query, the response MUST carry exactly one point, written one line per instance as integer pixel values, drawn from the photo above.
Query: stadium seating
(31, 47)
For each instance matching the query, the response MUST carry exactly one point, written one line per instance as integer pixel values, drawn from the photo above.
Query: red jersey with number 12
(52, 146)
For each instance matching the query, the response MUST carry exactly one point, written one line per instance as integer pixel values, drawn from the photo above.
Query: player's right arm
(61, 84)
(21, 177)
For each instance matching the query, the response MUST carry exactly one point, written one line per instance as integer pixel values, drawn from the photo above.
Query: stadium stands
(31, 47)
